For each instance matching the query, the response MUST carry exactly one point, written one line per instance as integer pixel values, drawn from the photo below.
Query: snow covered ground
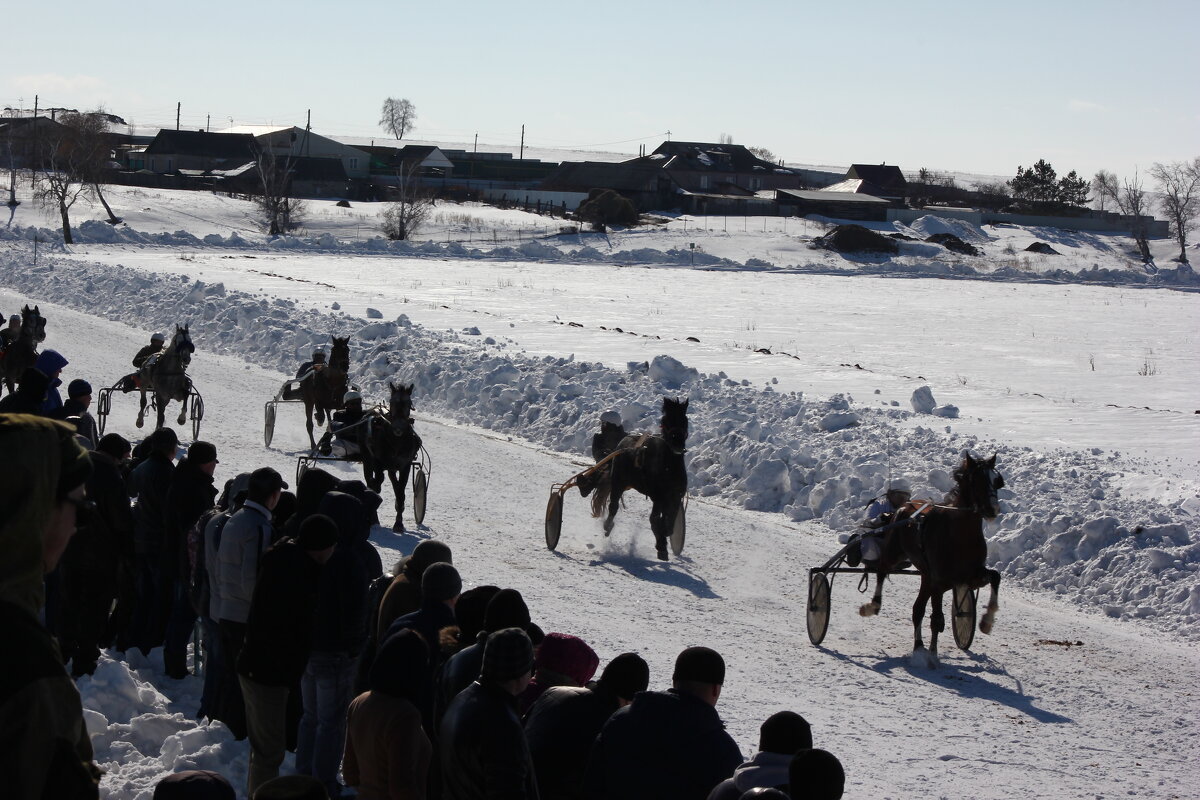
(514, 359)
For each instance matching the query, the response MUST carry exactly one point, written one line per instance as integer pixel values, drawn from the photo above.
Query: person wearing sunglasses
(44, 746)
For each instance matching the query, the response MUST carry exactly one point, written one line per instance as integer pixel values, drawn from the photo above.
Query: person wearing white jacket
(245, 537)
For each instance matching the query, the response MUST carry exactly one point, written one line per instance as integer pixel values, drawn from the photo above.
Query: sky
(947, 86)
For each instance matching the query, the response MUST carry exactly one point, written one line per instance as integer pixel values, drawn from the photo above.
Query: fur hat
(786, 733)
(506, 609)
(626, 675)
(317, 533)
(78, 388)
(700, 664)
(507, 654)
(440, 583)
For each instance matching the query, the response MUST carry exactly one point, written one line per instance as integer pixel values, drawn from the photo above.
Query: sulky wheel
(554, 520)
(420, 490)
(197, 415)
(678, 532)
(268, 423)
(103, 406)
(818, 607)
(963, 621)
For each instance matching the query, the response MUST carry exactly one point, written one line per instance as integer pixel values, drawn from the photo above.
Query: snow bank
(1066, 526)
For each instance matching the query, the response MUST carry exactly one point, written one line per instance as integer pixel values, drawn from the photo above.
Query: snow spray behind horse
(322, 389)
(945, 543)
(653, 465)
(21, 354)
(390, 445)
(166, 376)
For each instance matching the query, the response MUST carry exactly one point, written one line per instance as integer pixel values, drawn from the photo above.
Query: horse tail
(601, 492)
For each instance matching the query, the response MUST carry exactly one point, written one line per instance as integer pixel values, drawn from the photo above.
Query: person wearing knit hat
(816, 775)
(483, 747)
(194, 784)
(562, 660)
(41, 494)
(75, 411)
(277, 642)
(668, 744)
(403, 595)
(784, 734)
(506, 609)
(564, 722)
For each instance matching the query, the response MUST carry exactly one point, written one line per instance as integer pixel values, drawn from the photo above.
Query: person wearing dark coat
(782, 736)
(667, 744)
(563, 724)
(278, 637)
(50, 363)
(339, 633)
(194, 784)
(93, 561)
(387, 751)
(79, 399)
(45, 750)
(29, 396)
(403, 594)
(314, 484)
(483, 748)
(562, 660)
(610, 435)
(506, 609)
(149, 483)
(816, 774)
(191, 493)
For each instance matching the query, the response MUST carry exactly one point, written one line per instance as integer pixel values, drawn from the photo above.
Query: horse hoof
(138, 423)
(868, 609)
(398, 527)
(608, 526)
(985, 624)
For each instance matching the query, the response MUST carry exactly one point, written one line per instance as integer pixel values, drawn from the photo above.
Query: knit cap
(626, 675)
(318, 532)
(785, 733)
(78, 388)
(202, 453)
(568, 656)
(507, 654)
(440, 583)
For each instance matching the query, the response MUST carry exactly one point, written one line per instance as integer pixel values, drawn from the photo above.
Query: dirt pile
(857, 239)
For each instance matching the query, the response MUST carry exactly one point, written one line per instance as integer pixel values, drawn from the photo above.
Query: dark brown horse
(390, 445)
(21, 354)
(165, 374)
(323, 388)
(946, 545)
(653, 465)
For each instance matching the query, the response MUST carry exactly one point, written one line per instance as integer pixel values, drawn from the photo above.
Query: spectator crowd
(397, 684)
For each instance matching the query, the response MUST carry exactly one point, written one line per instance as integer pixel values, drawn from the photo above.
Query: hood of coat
(50, 362)
(29, 475)
(348, 512)
(764, 769)
(401, 667)
(312, 486)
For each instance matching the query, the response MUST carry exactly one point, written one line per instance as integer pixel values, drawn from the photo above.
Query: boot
(854, 553)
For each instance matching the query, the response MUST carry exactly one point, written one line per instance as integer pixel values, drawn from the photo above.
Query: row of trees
(1178, 188)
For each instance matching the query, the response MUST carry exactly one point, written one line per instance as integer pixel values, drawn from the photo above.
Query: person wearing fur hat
(565, 721)
(782, 736)
(387, 750)
(667, 744)
(562, 660)
(278, 638)
(483, 747)
(45, 750)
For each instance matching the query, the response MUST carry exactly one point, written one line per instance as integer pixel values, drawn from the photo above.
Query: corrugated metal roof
(827, 196)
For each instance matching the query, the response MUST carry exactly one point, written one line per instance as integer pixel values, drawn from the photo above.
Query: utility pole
(178, 106)
(474, 154)
(522, 142)
(207, 122)
(307, 128)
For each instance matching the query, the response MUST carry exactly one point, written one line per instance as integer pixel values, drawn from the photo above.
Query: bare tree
(405, 216)
(1179, 184)
(281, 213)
(1130, 199)
(397, 116)
(725, 138)
(78, 156)
(763, 153)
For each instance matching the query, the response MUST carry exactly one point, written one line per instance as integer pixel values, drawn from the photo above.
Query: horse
(946, 545)
(21, 353)
(390, 445)
(322, 389)
(653, 465)
(166, 375)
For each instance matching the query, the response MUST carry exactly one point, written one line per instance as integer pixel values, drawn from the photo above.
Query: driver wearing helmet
(156, 345)
(610, 435)
(880, 513)
(344, 436)
(314, 364)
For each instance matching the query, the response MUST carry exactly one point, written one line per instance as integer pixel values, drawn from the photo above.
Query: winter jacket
(86, 427)
(48, 363)
(483, 749)
(244, 539)
(387, 751)
(29, 396)
(106, 535)
(191, 493)
(766, 770)
(312, 486)
(606, 440)
(403, 596)
(149, 483)
(279, 628)
(144, 354)
(561, 728)
(664, 744)
(341, 615)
